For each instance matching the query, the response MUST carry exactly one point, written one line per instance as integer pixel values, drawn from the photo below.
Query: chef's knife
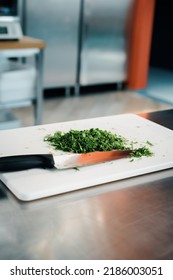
(22, 162)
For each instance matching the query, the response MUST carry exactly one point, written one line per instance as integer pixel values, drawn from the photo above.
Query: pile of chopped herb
(94, 139)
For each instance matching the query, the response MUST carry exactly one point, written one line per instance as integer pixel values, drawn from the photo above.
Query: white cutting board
(38, 183)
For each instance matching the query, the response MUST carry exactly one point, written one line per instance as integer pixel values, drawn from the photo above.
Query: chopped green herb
(94, 139)
(76, 168)
(84, 141)
(143, 151)
(149, 143)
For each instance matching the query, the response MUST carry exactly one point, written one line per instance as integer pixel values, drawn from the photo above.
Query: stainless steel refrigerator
(86, 40)
(56, 22)
(104, 41)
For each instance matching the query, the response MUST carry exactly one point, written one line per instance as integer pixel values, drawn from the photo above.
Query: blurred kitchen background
(101, 58)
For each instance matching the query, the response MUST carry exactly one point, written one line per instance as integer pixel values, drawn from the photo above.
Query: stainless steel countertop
(129, 219)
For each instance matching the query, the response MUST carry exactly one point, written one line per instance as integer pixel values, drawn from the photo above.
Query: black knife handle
(23, 162)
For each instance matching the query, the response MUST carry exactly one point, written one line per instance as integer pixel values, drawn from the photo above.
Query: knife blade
(23, 162)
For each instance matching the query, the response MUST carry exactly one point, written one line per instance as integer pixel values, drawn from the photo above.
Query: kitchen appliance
(60, 32)
(10, 28)
(104, 41)
(87, 44)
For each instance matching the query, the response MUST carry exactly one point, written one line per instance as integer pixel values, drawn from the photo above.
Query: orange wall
(140, 44)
